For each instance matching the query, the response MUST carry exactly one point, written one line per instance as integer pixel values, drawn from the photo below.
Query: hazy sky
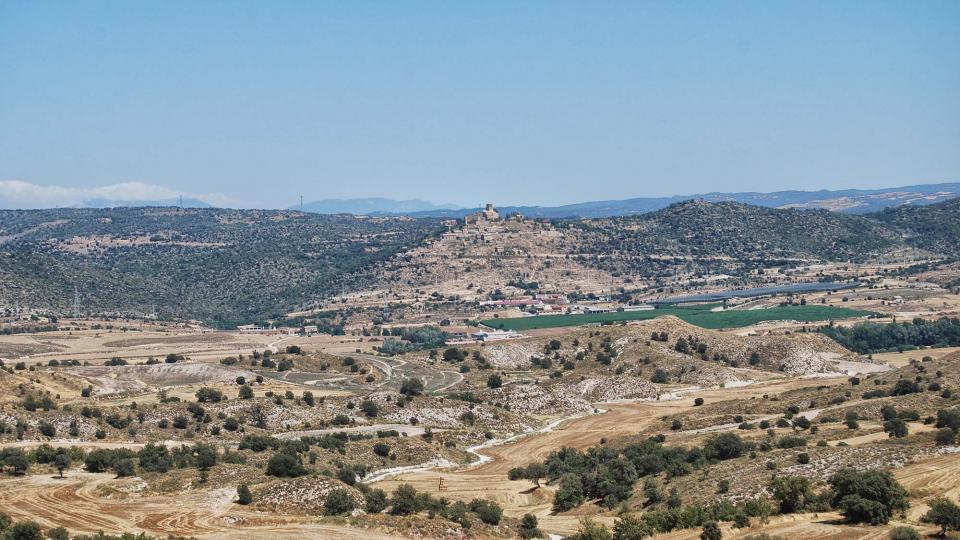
(514, 102)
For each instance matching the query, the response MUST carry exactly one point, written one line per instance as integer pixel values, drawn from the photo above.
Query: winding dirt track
(517, 498)
(86, 502)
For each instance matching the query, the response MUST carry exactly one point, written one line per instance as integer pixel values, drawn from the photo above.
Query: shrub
(155, 458)
(338, 502)
(123, 468)
(591, 530)
(24, 530)
(904, 387)
(792, 493)
(285, 464)
(711, 531)
(904, 533)
(411, 387)
(494, 381)
(381, 449)
(369, 408)
(949, 418)
(211, 395)
(375, 501)
(404, 501)
(724, 446)
(243, 495)
(489, 512)
(790, 441)
(529, 527)
(946, 437)
(896, 428)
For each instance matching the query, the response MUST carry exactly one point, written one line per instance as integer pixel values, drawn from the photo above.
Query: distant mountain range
(852, 201)
(373, 206)
(110, 203)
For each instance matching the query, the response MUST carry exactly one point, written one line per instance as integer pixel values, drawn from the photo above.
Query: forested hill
(740, 230)
(221, 266)
(236, 266)
(935, 227)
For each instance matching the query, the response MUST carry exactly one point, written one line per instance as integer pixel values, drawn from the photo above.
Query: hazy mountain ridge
(372, 206)
(853, 201)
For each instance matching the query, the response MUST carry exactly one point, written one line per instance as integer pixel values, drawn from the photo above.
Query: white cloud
(20, 194)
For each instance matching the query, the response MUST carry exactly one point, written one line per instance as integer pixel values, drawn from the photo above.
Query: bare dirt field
(89, 503)
(896, 359)
(136, 345)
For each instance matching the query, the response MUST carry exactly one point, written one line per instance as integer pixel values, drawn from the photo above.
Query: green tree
(338, 502)
(285, 465)
(534, 472)
(711, 531)
(867, 496)
(791, 492)
(945, 514)
(24, 530)
(651, 491)
(896, 428)
(124, 467)
(674, 500)
(629, 527)
(529, 527)
(212, 395)
(369, 408)
(155, 458)
(375, 501)
(62, 462)
(591, 530)
(58, 533)
(204, 456)
(489, 512)
(16, 459)
(494, 381)
(411, 387)
(946, 437)
(404, 501)
(243, 494)
(569, 494)
(724, 446)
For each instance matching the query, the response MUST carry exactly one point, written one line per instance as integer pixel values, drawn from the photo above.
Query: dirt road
(517, 497)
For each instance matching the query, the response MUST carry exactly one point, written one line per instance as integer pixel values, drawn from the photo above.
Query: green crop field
(699, 315)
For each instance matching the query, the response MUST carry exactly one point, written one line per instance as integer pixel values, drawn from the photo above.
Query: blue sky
(464, 102)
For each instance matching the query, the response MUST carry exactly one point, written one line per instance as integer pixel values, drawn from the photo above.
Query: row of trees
(866, 338)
